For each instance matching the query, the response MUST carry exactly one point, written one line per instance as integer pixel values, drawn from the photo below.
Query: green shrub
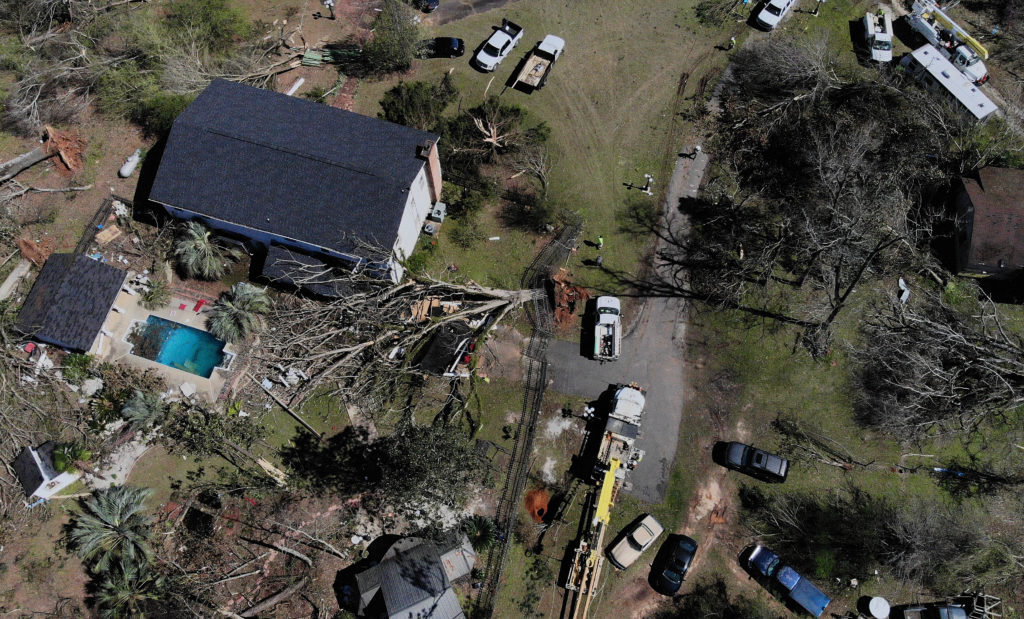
(418, 104)
(119, 90)
(76, 367)
(157, 112)
(394, 41)
(217, 22)
(462, 202)
(466, 234)
(316, 93)
(65, 456)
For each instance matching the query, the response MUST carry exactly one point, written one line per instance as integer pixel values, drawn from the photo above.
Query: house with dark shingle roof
(414, 580)
(279, 171)
(69, 301)
(990, 223)
(39, 477)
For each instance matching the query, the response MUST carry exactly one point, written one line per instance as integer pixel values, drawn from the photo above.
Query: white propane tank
(879, 608)
(130, 163)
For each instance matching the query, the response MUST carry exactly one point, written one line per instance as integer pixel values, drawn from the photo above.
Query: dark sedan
(672, 563)
(442, 47)
(756, 463)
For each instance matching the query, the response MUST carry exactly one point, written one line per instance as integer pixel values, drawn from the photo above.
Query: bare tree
(926, 367)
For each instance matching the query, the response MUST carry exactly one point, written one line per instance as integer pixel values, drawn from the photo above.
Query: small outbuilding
(414, 580)
(990, 223)
(69, 301)
(37, 473)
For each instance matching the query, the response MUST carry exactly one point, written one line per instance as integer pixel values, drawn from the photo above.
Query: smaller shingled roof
(998, 230)
(27, 471)
(69, 301)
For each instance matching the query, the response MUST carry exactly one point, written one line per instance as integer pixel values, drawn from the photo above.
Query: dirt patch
(503, 354)
(537, 504)
(556, 426)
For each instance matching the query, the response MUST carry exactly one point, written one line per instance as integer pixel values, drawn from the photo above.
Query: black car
(442, 47)
(756, 463)
(427, 5)
(672, 563)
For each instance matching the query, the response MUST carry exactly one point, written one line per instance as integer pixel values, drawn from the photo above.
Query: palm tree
(126, 590)
(142, 410)
(481, 532)
(200, 255)
(234, 316)
(112, 526)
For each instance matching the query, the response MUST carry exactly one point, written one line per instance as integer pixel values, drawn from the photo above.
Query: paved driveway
(652, 355)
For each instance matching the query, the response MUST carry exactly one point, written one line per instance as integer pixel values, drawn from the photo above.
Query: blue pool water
(185, 348)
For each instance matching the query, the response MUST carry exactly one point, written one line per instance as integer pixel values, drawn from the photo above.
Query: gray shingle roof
(27, 470)
(290, 167)
(70, 300)
(411, 583)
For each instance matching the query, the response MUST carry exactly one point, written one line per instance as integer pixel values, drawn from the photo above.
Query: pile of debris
(568, 297)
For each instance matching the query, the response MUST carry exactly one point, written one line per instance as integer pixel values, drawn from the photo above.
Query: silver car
(634, 541)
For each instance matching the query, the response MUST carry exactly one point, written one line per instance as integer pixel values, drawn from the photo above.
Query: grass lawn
(608, 102)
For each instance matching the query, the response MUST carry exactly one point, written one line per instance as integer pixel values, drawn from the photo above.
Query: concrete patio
(113, 347)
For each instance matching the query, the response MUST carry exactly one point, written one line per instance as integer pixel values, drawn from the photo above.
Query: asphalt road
(652, 355)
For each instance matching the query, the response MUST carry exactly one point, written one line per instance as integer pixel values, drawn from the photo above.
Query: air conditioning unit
(438, 213)
(430, 229)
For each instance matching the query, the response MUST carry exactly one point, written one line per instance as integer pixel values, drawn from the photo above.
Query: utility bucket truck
(952, 41)
(878, 35)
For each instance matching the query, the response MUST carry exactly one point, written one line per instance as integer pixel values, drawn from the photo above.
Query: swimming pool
(178, 346)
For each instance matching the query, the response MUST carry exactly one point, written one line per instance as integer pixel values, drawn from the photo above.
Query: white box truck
(607, 329)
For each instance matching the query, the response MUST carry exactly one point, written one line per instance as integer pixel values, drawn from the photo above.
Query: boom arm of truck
(932, 11)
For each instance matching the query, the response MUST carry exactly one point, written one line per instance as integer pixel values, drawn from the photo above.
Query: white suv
(773, 12)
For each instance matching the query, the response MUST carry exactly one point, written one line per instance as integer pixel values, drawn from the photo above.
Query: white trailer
(952, 41)
(607, 329)
(938, 74)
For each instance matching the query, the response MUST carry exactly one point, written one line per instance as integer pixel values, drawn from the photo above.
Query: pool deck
(116, 350)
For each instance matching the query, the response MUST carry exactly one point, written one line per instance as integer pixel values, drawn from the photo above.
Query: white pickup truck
(538, 64)
(499, 45)
(607, 329)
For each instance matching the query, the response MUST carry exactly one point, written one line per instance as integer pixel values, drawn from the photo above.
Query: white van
(773, 12)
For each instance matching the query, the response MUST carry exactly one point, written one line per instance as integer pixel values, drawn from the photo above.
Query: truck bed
(534, 69)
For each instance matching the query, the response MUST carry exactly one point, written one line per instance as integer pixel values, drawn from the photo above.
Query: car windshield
(673, 576)
(490, 50)
(774, 10)
(883, 45)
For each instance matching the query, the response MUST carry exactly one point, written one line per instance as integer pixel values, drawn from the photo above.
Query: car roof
(762, 558)
(647, 529)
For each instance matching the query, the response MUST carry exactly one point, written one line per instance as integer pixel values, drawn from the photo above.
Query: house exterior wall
(257, 237)
(964, 209)
(417, 207)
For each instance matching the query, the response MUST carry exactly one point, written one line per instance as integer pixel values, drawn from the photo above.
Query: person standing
(732, 42)
(600, 242)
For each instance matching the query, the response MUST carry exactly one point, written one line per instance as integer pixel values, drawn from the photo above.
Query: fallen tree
(363, 344)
